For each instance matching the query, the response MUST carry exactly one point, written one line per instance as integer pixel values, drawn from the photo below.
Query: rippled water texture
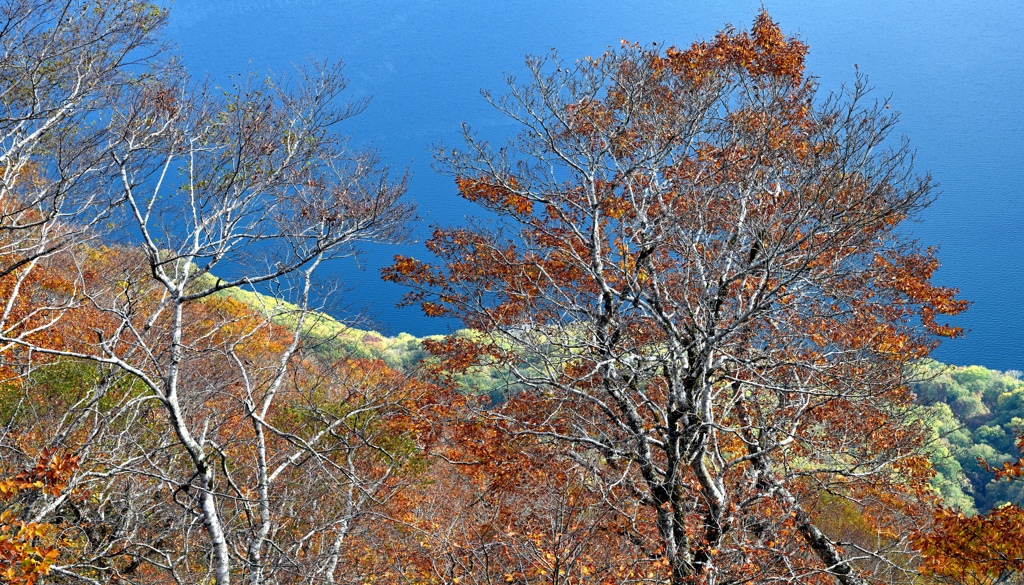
(953, 69)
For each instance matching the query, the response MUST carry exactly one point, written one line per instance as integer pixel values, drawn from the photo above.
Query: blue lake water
(954, 69)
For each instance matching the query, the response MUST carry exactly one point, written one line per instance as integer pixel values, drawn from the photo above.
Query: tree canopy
(695, 348)
(694, 260)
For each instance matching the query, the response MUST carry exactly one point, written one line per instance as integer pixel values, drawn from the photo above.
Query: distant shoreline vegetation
(975, 412)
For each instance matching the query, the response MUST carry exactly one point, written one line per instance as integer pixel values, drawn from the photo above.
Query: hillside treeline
(977, 414)
(406, 471)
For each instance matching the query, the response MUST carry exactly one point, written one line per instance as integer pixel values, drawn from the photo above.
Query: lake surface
(954, 69)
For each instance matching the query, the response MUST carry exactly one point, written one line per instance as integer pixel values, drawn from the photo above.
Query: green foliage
(977, 415)
(333, 339)
(328, 336)
(947, 438)
(51, 388)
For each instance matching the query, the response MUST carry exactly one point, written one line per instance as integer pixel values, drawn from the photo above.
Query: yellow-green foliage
(978, 413)
(332, 338)
(973, 411)
(326, 334)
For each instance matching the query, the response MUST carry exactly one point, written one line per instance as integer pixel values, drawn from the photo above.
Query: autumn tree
(64, 65)
(28, 549)
(339, 439)
(497, 507)
(199, 418)
(984, 549)
(693, 267)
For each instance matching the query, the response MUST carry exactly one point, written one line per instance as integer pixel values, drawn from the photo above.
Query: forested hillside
(979, 415)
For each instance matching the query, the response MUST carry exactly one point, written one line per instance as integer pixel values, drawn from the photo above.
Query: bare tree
(201, 423)
(64, 65)
(256, 188)
(695, 269)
